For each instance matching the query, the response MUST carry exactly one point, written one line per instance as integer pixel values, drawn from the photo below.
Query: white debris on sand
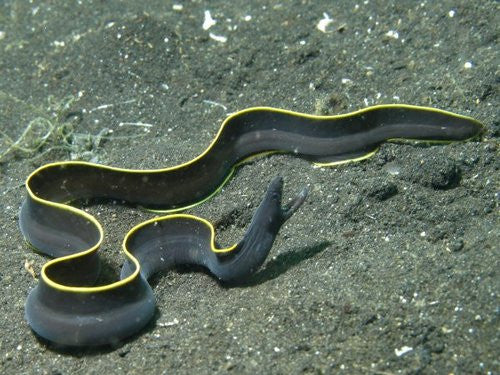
(405, 349)
(324, 23)
(208, 22)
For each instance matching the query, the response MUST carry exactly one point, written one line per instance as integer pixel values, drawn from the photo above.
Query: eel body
(66, 307)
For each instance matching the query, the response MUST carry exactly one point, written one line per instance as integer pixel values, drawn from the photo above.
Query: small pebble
(456, 245)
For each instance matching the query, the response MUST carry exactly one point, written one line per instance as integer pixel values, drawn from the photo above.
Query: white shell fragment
(324, 22)
(405, 349)
(208, 22)
(218, 38)
(392, 34)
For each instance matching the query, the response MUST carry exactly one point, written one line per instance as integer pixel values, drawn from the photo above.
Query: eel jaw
(253, 249)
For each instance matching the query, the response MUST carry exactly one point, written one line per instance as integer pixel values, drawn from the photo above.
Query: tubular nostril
(290, 209)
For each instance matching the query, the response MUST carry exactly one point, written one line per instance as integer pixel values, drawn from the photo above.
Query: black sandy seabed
(390, 267)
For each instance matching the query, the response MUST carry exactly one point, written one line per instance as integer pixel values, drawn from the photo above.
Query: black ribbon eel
(68, 308)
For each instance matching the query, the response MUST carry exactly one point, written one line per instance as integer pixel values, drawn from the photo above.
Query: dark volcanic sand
(374, 263)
